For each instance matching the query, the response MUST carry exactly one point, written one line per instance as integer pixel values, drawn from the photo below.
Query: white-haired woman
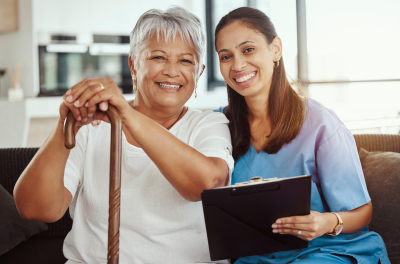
(171, 153)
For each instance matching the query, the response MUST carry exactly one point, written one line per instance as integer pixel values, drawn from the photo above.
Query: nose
(171, 69)
(238, 63)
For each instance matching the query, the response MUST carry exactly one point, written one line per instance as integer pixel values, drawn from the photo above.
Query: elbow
(369, 215)
(29, 211)
(215, 182)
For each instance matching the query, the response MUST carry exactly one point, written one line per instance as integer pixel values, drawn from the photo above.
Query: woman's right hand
(83, 115)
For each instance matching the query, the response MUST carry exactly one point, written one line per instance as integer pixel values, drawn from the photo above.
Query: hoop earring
(195, 91)
(276, 64)
(134, 84)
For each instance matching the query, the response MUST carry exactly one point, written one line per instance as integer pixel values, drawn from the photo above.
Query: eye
(248, 50)
(226, 57)
(187, 61)
(158, 58)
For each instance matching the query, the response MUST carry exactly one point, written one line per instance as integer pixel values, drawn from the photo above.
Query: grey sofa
(46, 247)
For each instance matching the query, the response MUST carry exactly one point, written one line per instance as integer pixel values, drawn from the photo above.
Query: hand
(311, 226)
(83, 115)
(91, 93)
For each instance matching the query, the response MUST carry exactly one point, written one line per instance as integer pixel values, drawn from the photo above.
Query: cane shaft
(115, 186)
(115, 177)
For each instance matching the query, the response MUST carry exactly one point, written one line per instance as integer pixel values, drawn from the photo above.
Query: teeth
(245, 78)
(169, 85)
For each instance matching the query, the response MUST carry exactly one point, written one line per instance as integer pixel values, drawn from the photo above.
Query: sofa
(379, 155)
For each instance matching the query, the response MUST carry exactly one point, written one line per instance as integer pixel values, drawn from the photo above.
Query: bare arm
(39, 192)
(317, 224)
(189, 171)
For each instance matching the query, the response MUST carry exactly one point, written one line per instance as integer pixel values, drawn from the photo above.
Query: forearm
(353, 220)
(189, 171)
(39, 192)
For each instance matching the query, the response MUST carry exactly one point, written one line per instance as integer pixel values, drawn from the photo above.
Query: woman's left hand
(310, 226)
(101, 92)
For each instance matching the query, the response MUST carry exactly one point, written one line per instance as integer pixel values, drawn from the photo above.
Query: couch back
(383, 182)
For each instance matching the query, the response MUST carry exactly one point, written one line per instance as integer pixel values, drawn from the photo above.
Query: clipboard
(238, 218)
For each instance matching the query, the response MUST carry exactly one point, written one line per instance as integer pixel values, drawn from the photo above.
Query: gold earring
(195, 91)
(276, 64)
(134, 84)
(225, 81)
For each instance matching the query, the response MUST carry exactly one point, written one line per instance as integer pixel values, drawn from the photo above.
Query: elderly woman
(171, 153)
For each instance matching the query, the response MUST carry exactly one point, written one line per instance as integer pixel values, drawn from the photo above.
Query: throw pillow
(382, 175)
(13, 228)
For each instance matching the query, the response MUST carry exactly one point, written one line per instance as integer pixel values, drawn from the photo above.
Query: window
(345, 53)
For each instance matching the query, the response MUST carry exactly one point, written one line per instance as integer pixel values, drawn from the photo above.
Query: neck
(257, 107)
(165, 116)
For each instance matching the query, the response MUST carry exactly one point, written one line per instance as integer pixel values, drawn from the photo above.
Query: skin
(40, 193)
(242, 50)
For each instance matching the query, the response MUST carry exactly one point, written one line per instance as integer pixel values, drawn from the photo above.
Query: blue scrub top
(325, 149)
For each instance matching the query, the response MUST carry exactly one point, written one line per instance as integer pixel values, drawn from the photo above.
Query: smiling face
(246, 59)
(166, 73)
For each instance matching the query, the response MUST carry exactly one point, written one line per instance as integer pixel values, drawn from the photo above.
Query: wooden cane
(115, 177)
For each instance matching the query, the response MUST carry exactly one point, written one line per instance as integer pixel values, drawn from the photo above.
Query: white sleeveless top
(157, 224)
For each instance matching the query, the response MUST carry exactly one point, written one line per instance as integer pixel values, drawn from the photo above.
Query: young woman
(277, 133)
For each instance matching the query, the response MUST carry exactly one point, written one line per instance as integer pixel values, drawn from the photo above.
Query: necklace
(179, 117)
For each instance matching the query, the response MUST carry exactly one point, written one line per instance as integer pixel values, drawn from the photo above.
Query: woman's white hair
(167, 24)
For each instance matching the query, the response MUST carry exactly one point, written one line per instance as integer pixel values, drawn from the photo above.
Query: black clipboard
(239, 217)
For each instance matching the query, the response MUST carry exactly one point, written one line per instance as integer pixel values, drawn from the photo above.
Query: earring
(276, 64)
(134, 84)
(195, 91)
(225, 81)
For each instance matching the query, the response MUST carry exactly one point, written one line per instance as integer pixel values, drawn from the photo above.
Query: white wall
(85, 18)
(20, 47)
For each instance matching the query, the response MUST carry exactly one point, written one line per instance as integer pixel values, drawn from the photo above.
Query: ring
(299, 233)
(102, 86)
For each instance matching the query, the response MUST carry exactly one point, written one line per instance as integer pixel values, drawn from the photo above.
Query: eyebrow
(182, 54)
(238, 46)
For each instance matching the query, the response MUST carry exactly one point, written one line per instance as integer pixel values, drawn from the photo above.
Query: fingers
(303, 234)
(77, 90)
(83, 112)
(306, 227)
(91, 111)
(90, 91)
(75, 111)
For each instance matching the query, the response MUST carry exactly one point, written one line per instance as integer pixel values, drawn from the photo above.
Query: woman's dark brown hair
(285, 106)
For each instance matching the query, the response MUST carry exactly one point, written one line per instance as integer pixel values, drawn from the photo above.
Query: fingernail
(79, 118)
(93, 123)
(76, 103)
(69, 91)
(274, 230)
(274, 226)
(69, 98)
(278, 221)
(87, 104)
(90, 114)
(85, 119)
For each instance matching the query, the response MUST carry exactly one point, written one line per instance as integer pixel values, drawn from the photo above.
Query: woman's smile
(169, 86)
(245, 79)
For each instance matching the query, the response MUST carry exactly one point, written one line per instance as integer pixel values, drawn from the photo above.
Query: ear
(202, 70)
(277, 48)
(132, 66)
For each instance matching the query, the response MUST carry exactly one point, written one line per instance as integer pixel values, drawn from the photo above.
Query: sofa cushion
(382, 175)
(13, 228)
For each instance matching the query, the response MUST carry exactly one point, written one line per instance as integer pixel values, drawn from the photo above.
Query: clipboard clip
(256, 180)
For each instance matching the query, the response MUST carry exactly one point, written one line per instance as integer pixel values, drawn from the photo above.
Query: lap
(322, 257)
